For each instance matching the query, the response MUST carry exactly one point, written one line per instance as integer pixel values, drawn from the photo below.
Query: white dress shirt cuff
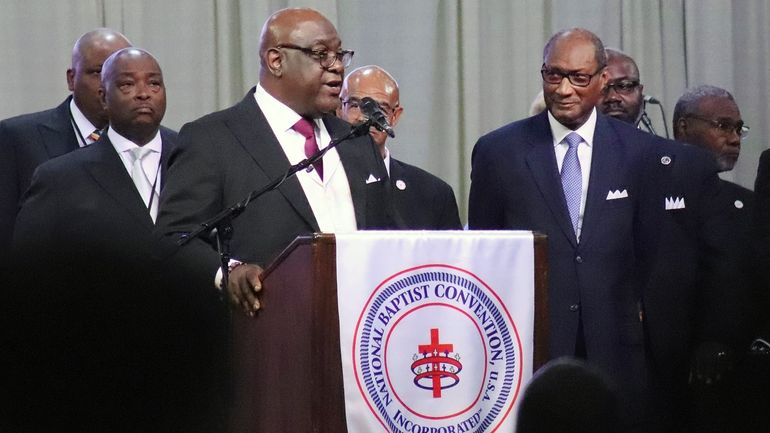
(230, 266)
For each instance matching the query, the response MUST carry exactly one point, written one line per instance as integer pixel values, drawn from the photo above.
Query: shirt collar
(586, 130)
(84, 125)
(123, 144)
(279, 116)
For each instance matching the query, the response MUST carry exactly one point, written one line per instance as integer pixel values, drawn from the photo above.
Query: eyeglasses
(355, 104)
(555, 76)
(622, 87)
(725, 126)
(325, 57)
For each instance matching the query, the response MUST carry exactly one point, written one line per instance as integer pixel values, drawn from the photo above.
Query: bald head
(133, 94)
(371, 74)
(616, 56)
(296, 66)
(101, 38)
(376, 83)
(581, 35)
(88, 55)
(279, 27)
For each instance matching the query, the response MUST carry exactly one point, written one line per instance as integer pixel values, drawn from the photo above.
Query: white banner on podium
(436, 329)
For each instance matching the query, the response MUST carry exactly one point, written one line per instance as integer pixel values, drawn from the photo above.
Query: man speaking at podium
(224, 156)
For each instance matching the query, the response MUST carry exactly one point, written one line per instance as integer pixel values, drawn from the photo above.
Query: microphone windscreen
(651, 99)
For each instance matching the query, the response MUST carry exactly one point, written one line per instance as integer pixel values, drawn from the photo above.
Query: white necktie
(142, 181)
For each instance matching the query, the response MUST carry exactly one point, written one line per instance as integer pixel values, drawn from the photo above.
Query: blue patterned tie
(571, 178)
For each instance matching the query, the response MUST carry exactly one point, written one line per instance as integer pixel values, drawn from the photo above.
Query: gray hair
(688, 102)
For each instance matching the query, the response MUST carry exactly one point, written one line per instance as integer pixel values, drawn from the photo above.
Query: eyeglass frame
(318, 55)
(387, 109)
(621, 90)
(569, 76)
(739, 127)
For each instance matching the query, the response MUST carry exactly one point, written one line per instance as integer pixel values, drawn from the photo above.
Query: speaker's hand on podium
(244, 287)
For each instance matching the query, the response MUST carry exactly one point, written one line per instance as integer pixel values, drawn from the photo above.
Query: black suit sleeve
(448, 215)
(9, 187)
(762, 207)
(762, 229)
(35, 227)
(723, 288)
(193, 191)
(485, 204)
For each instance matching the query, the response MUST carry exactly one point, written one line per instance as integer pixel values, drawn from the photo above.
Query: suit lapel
(606, 163)
(252, 131)
(541, 161)
(107, 169)
(57, 134)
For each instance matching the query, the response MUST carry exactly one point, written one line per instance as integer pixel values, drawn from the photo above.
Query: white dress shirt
(584, 151)
(82, 126)
(150, 163)
(330, 198)
(387, 160)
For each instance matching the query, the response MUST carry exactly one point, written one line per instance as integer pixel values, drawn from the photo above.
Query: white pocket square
(674, 203)
(372, 179)
(614, 195)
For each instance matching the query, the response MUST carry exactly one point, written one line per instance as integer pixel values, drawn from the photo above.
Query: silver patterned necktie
(142, 182)
(572, 178)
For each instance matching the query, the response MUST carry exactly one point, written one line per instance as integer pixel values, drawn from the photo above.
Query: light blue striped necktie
(571, 178)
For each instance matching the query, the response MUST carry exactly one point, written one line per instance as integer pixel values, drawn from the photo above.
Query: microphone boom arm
(220, 225)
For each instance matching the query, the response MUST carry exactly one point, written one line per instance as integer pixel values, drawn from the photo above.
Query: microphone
(651, 99)
(373, 112)
(646, 120)
(647, 123)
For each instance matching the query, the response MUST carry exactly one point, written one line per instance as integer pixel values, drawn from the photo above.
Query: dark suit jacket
(744, 300)
(86, 201)
(515, 185)
(102, 334)
(25, 142)
(762, 228)
(224, 156)
(425, 202)
(688, 258)
(613, 277)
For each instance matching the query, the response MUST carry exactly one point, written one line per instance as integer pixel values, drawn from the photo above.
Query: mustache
(613, 104)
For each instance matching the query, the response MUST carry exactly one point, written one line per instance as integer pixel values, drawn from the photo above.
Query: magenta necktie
(306, 128)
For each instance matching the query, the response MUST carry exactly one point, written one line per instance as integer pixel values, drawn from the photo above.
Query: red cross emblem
(436, 370)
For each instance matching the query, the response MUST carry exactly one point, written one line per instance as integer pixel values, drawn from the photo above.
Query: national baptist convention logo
(436, 351)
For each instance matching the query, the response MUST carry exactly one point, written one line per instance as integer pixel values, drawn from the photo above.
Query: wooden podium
(286, 360)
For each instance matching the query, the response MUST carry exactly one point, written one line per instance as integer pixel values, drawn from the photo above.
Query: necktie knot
(307, 129)
(94, 136)
(573, 139)
(138, 153)
(304, 127)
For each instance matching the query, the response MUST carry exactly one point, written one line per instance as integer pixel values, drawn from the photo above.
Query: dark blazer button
(574, 307)
(579, 259)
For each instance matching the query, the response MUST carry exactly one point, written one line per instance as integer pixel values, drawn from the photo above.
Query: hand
(710, 363)
(244, 286)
